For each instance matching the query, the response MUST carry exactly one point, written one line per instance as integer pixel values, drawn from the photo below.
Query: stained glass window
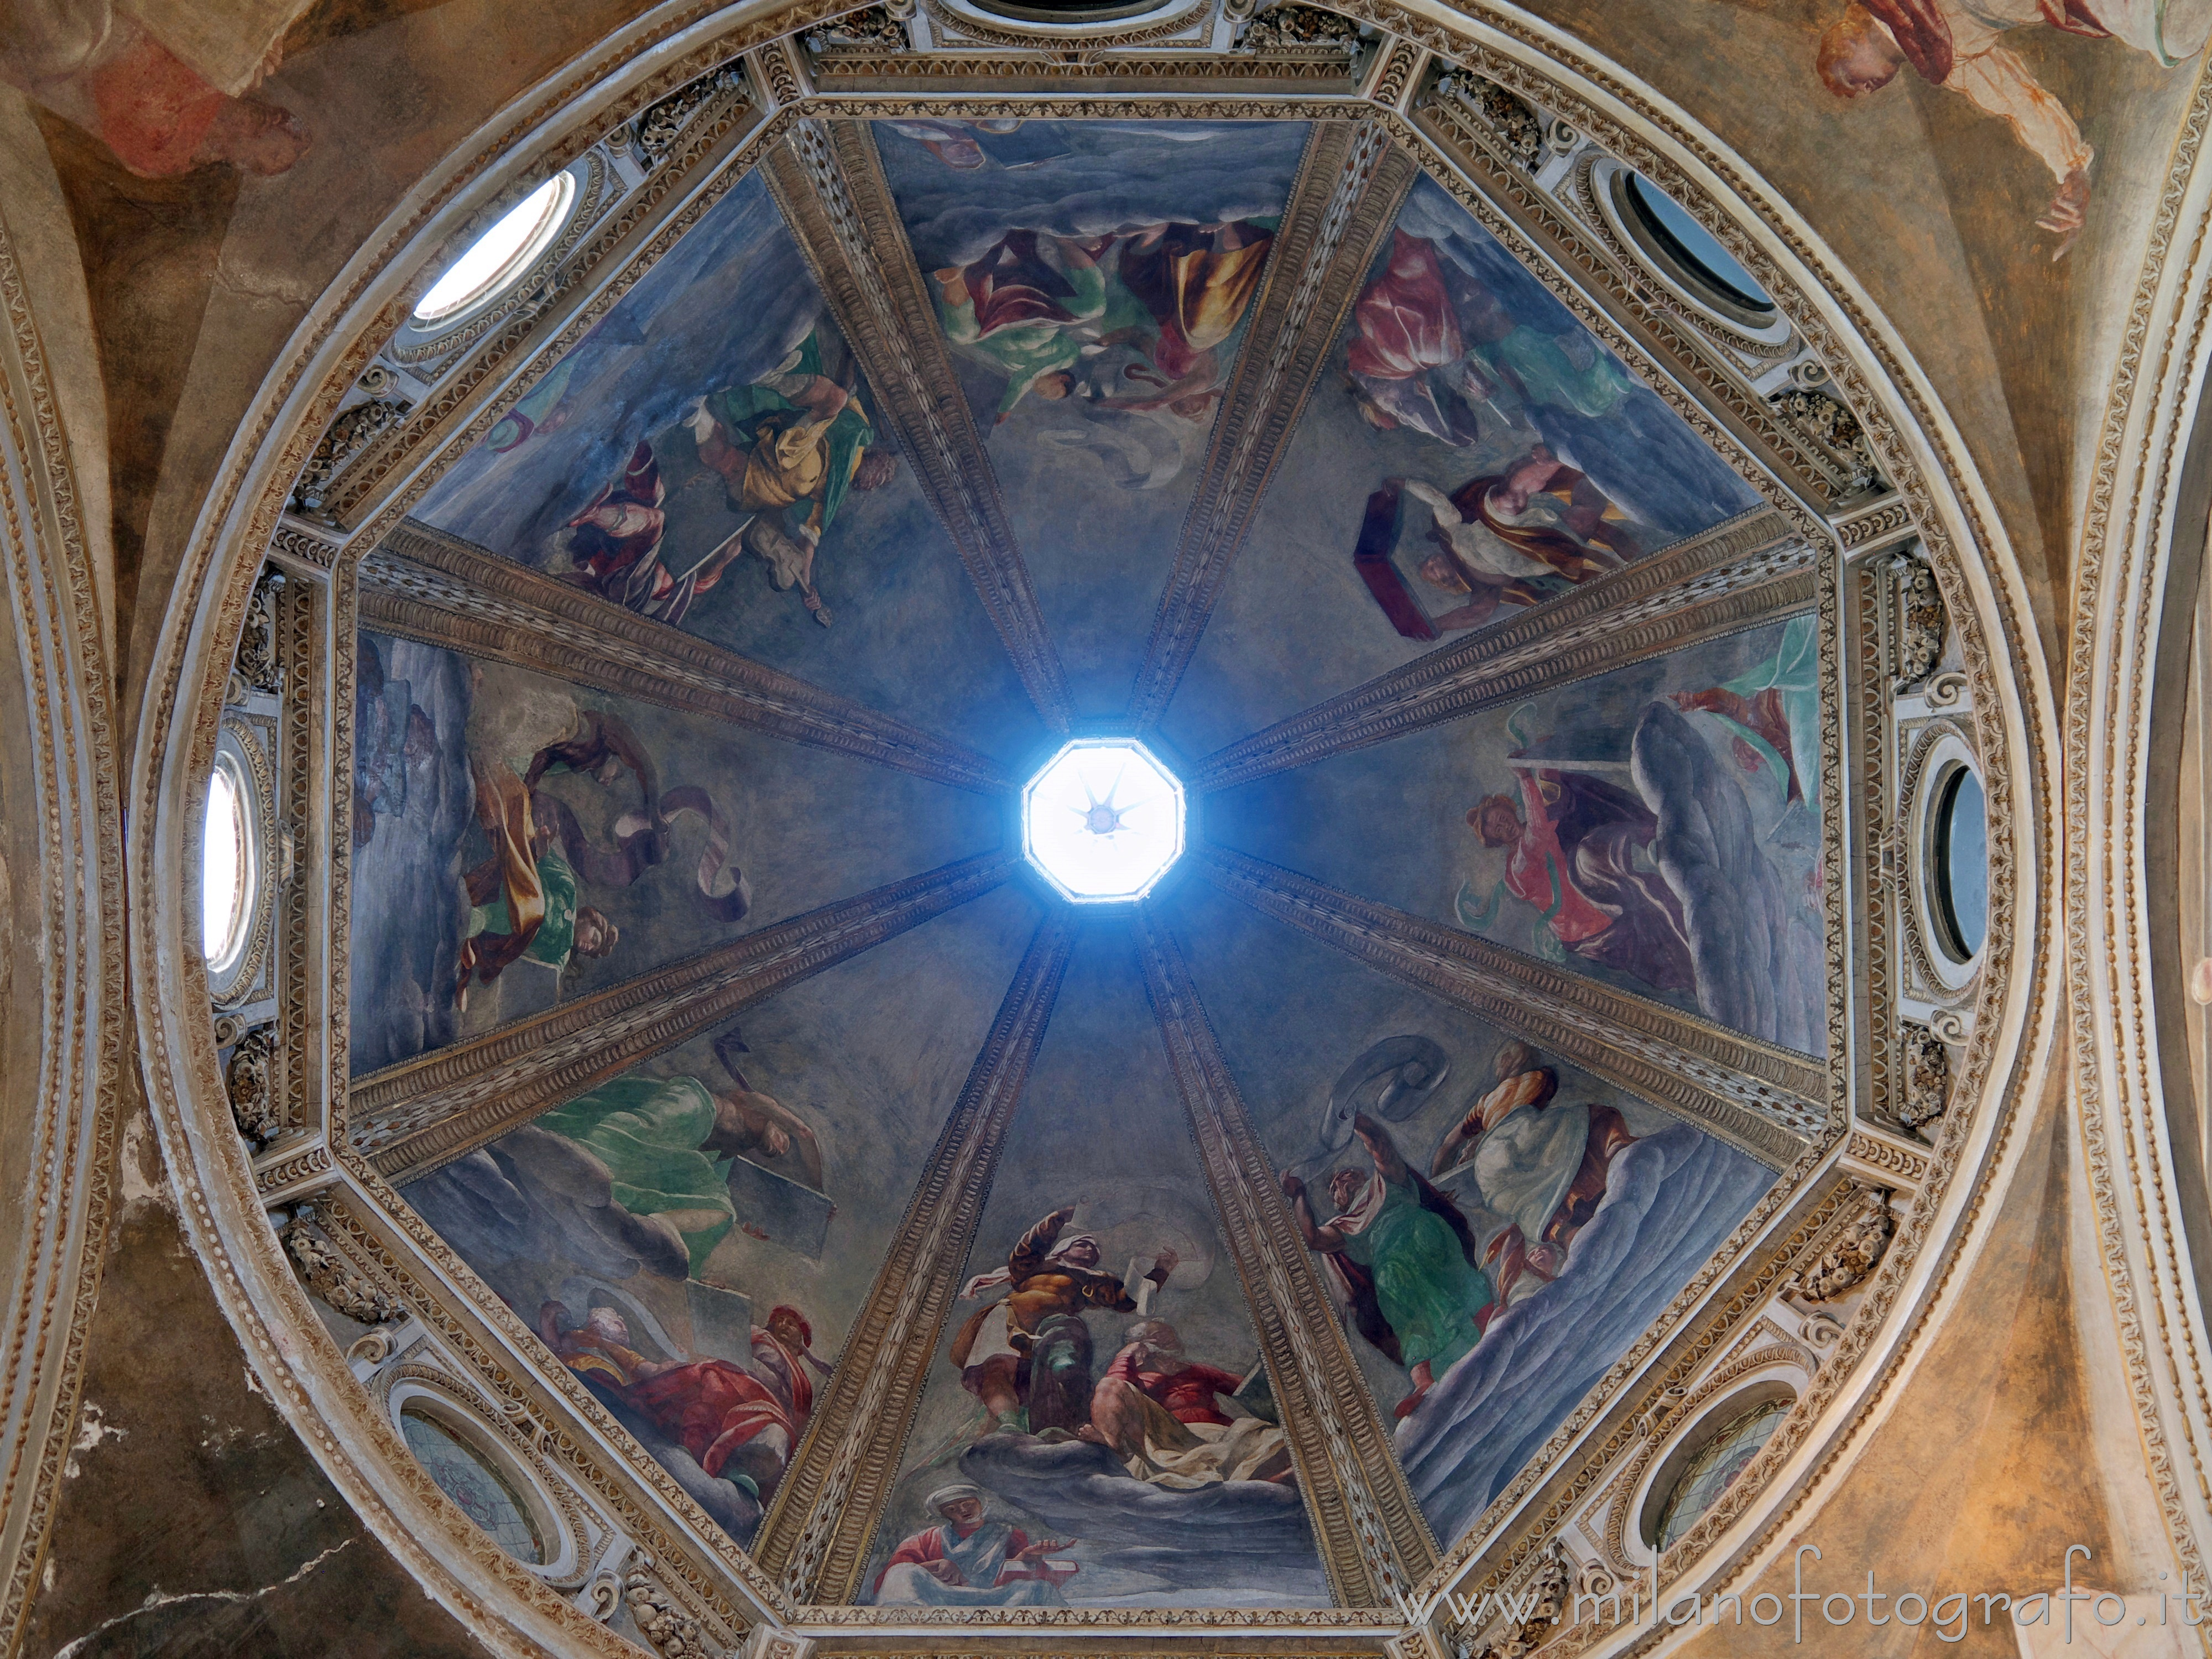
(1718, 1461)
(467, 1477)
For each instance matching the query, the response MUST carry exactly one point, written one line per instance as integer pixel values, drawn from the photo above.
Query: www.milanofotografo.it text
(1806, 1612)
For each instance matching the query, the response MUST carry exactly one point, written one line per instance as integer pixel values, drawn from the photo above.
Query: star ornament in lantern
(1102, 820)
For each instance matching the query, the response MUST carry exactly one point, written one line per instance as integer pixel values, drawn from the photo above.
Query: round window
(1961, 848)
(1694, 254)
(471, 1480)
(226, 866)
(1714, 1465)
(503, 253)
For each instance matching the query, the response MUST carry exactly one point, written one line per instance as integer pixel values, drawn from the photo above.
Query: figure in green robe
(789, 447)
(1403, 1258)
(667, 1143)
(1774, 706)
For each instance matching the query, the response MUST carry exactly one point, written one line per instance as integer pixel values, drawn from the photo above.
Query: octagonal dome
(1243, 1240)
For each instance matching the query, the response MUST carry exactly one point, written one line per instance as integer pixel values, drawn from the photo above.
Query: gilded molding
(1876, 522)
(854, 76)
(63, 1108)
(1350, 184)
(814, 1540)
(1373, 1540)
(427, 586)
(830, 183)
(1735, 576)
(418, 1283)
(1880, 1159)
(1760, 1099)
(411, 1118)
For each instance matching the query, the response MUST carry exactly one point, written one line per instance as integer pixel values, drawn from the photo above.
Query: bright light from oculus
(222, 868)
(1102, 820)
(501, 254)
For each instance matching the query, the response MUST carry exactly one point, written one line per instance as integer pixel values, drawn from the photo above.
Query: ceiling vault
(424, 584)
(1372, 1539)
(414, 1117)
(1350, 185)
(1732, 577)
(829, 181)
(708, 159)
(1761, 1099)
(815, 1538)
(1518, 212)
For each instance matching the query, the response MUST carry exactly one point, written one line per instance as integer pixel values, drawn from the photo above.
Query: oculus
(1960, 854)
(1102, 820)
(1709, 1470)
(503, 253)
(227, 871)
(1687, 253)
(467, 1477)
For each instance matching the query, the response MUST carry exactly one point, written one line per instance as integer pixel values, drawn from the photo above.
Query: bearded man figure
(1050, 1278)
(1160, 1412)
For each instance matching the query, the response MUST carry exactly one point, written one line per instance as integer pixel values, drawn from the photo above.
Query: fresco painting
(1094, 281)
(519, 841)
(1657, 828)
(1496, 1226)
(693, 1237)
(1962, 47)
(719, 464)
(1471, 451)
(1098, 1429)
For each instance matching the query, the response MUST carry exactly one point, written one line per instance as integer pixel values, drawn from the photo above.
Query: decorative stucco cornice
(411, 1118)
(601, 266)
(830, 183)
(1733, 577)
(1373, 1540)
(1349, 187)
(427, 585)
(58, 1112)
(1761, 1099)
(815, 1539)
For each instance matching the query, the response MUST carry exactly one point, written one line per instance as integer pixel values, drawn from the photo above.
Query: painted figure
(616, 544)
(1541, 1166)
(1132, 322)
(1160, 1412)
(1580, 852)
(1048, 1277)
(1959, 44)
(968, 1561)
(666, 1142)
(734, 1424)
(1409, 366)
(952, 143)
(1775, 709)
(1403, 1258)
(789, 447)
(166, 87)
(523, 898)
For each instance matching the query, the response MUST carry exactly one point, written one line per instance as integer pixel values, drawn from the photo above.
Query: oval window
(1694, 251)
(226, 866)
(1715, 1464)
(503, 253)
(469, 1479)
(1961, 851)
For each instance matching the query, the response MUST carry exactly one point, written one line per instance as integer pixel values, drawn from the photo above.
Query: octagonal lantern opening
(1102, 820)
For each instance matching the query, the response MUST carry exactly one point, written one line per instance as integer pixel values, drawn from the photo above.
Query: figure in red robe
(1408, 363)
(1575, 843)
